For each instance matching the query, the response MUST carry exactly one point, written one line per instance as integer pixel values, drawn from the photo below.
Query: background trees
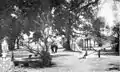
(97, 25)
(67, 16)
(116, 38)
(35, 15)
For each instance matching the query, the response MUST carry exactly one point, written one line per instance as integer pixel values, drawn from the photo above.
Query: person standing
(4, 45)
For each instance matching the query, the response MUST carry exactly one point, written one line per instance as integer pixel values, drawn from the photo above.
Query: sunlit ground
(65, 61)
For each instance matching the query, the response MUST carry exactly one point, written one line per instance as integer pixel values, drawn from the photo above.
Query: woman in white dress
(4, 47)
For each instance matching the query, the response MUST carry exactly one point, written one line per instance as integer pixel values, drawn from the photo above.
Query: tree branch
(77, 9)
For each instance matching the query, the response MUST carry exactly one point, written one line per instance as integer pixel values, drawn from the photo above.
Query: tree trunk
(13, 35)
(90, 44)
(72, 44)
(87, 44)
(46, 47)
(45, 41)
(117, 47)
(86, 48)
(94, 44)
(18, 43)
(67, 45)
(11, 44)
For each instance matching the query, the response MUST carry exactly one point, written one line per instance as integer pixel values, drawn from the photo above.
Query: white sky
(111, 16)
(107, 12)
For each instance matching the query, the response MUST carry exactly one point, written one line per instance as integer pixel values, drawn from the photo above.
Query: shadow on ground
(72, 51)
(108, 52)
(60, 55)
(36, 65)
(114, 66)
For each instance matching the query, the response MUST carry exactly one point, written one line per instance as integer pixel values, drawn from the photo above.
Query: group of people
(54, 48)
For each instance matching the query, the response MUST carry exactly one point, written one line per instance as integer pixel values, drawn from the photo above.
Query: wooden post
(12, 56)
(94, 43)
(83, 44)
(86, 47)
(99, 54)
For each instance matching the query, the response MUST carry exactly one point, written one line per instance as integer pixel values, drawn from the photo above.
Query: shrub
(46, 58)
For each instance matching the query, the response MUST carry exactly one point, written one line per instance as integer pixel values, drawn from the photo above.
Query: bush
(46, 58)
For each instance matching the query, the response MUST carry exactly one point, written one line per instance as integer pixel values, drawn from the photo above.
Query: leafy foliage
(37, 35)
(96, 32)
(67, 14)
(116, 34)
(36, 15)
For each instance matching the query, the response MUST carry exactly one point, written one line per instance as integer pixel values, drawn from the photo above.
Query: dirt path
(70, 62)
(65, 62)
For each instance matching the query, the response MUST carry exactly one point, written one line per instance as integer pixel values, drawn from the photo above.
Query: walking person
(54, 48)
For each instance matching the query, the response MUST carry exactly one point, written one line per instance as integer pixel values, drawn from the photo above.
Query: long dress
(4, 48)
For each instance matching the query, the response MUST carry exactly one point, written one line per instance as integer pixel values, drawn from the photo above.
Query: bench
(27, 61)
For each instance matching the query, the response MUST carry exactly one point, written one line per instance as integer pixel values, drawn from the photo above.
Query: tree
(11, 26)
(96, 32)
(43, 24)
(116, 34)
(116, 28)
(66, 16)
(16, 16)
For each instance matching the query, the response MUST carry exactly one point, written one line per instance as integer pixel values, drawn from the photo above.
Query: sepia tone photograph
(59, 35)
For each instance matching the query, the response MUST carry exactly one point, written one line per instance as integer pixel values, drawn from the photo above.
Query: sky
(107, 12)
(110, 14)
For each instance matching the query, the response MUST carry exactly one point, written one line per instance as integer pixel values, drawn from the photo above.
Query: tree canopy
(32, 15)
